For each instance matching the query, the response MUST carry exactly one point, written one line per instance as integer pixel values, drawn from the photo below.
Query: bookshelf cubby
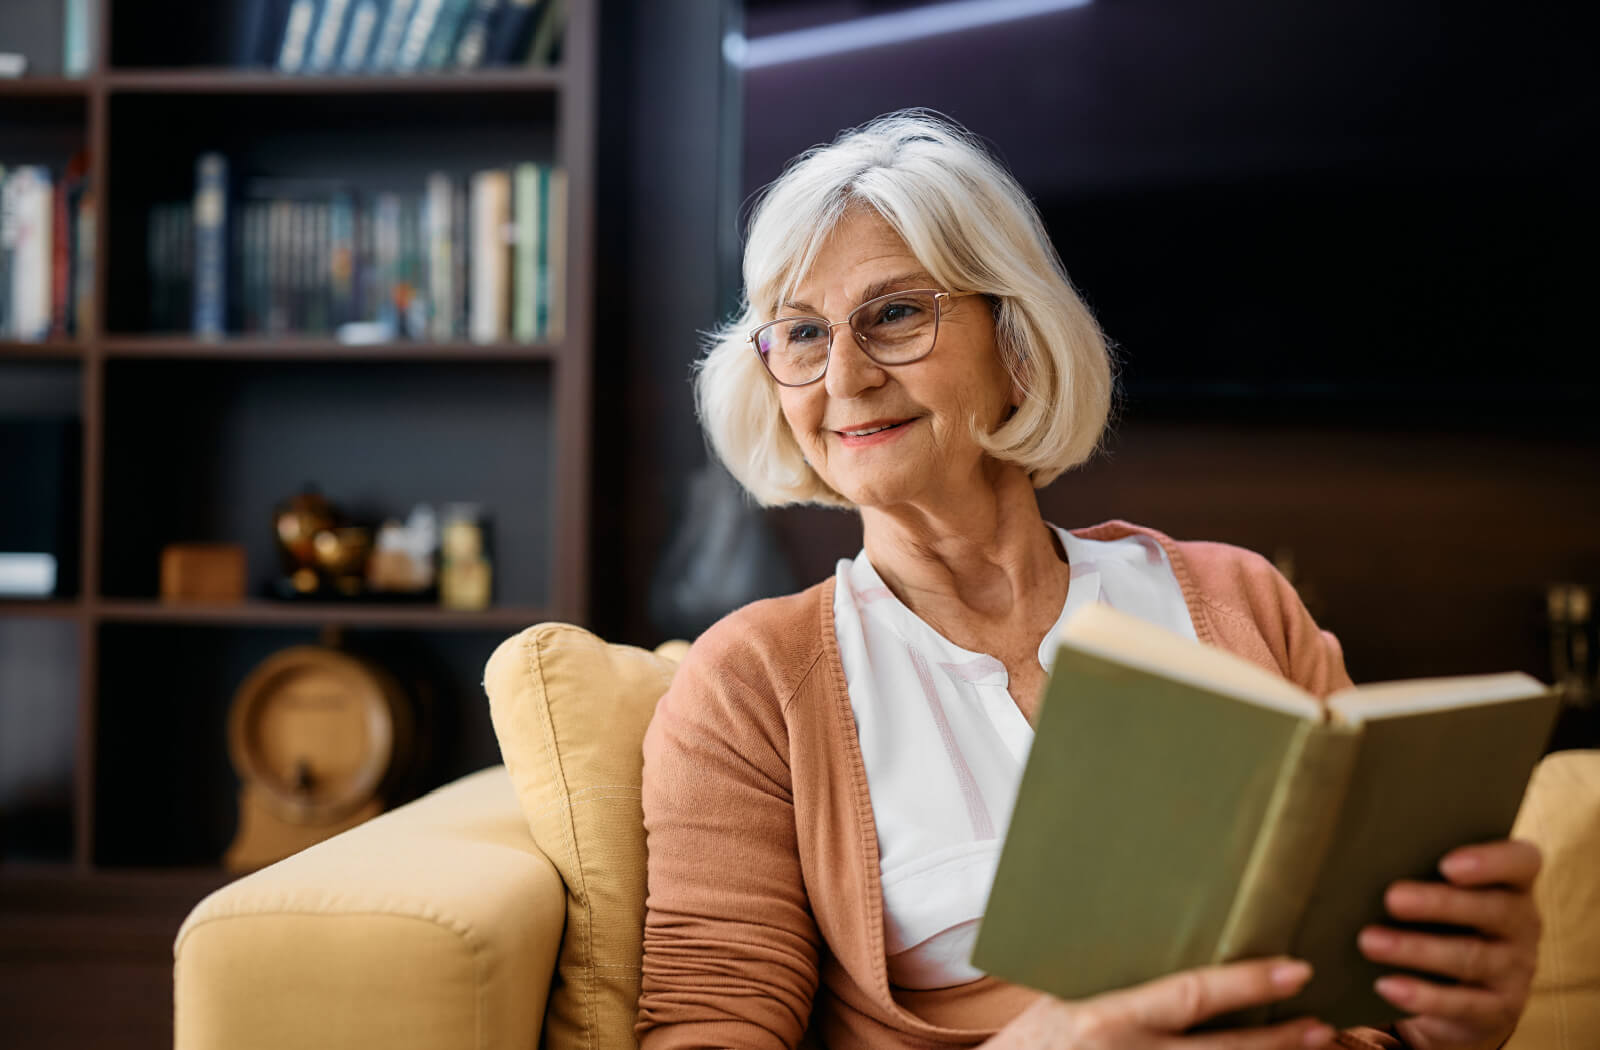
(181, 438)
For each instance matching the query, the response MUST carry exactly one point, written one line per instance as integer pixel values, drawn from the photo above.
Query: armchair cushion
(570, 712)
(1561, 815)
(435, 925)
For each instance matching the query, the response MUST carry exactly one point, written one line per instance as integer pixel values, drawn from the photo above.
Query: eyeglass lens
(894, 329)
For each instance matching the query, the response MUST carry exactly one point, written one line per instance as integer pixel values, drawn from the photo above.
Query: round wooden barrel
(317, 731)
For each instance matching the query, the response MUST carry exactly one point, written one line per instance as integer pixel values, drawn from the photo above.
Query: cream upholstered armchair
(505, 910)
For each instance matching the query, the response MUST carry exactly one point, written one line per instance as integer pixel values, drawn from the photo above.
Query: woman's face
(927, 455)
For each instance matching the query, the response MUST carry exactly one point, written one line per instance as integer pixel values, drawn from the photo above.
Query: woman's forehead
(865, 255)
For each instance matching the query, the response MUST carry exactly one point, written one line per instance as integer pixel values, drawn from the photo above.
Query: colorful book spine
(386, 48)
(508, 40)
(210, 245)
(83, 266)
(441, 46)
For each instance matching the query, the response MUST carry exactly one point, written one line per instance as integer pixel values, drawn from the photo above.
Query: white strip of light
(896, 27)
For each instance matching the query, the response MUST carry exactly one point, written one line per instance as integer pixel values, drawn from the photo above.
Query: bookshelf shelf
(302, 348)
(29, 609)
(319, 614)
(45, 87)
(49, 349)
(210, 81)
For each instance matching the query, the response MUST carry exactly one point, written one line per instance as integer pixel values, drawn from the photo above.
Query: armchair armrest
(434, 925)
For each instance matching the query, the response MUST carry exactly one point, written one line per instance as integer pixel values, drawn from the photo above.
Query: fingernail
(1459, 865)
(1321, 1035)
(1393, 989)
(1377, 939)
(1291, 974)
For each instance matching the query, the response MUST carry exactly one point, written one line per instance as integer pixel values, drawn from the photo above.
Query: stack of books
(46, 251)
(479, 258)
(397, 36)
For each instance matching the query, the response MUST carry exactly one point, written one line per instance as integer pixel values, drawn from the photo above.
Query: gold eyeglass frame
(939, 301)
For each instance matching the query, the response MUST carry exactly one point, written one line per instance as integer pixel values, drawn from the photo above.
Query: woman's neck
(978, 558)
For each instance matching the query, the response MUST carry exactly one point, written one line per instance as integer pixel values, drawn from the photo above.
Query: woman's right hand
(1158, 1014)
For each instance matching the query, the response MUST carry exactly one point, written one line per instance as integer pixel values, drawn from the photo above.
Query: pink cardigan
(765, 913)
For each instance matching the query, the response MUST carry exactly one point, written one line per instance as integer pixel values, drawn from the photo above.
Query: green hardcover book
(1182, 806)
(525, 284)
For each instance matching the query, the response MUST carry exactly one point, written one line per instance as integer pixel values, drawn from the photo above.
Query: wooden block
(202, 572)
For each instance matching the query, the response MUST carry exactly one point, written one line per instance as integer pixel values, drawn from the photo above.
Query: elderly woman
(828, 780)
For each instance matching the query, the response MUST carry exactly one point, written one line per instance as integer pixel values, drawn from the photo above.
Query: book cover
(257, 32)
(1183, 807)
(545, 47)
(210, 245)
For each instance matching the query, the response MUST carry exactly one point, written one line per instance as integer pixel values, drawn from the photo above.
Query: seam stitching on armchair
(547, 737)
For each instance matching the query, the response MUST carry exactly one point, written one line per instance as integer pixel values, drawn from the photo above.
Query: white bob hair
(973, 229)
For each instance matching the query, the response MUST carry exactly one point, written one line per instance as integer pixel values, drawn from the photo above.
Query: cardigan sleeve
(730, 945)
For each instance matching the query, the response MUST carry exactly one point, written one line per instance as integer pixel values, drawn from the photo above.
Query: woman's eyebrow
(919, 279)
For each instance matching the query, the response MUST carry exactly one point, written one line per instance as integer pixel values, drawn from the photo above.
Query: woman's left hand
(1489, 893)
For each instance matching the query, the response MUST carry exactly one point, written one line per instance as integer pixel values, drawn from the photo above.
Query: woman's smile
(875, 432)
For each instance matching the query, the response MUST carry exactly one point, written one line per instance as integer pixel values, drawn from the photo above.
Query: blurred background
(368, 326)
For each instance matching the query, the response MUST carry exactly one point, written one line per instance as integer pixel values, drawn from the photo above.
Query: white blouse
(944, 744)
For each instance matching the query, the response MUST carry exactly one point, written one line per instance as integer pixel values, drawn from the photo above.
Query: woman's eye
(894, 312)
(804, 333)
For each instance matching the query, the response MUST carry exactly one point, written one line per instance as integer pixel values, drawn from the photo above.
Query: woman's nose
(850, 370)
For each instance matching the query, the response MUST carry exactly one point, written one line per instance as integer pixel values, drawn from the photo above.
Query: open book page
(1393, 699)
(1105, 632)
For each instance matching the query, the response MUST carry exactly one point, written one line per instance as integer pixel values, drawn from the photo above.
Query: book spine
(556, 257)
(491, 206)
(31, 262)
(386, 48)
(78, 42)
(545, 47)
(414, 45)
(60, 260)
(442, 41)
(525, 287)
(210, 244)
(329, 34)
(359, 39)
(83, 264)
(461, 256)
(441, 272)
(1289, 850)
(297, 26)
(473, 43)
(511, 31)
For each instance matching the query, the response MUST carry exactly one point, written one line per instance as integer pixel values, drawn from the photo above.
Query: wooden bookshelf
(178, 432)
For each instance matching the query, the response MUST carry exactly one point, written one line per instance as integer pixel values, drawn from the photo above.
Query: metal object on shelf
(1574, 654)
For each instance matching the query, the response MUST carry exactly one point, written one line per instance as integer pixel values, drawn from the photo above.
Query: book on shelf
(210, 245)
(46, 251)
(1182, 806)
(78, 37)
(394, 36)
(457, 259)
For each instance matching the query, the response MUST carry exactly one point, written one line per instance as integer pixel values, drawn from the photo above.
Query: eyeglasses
(893, 329)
